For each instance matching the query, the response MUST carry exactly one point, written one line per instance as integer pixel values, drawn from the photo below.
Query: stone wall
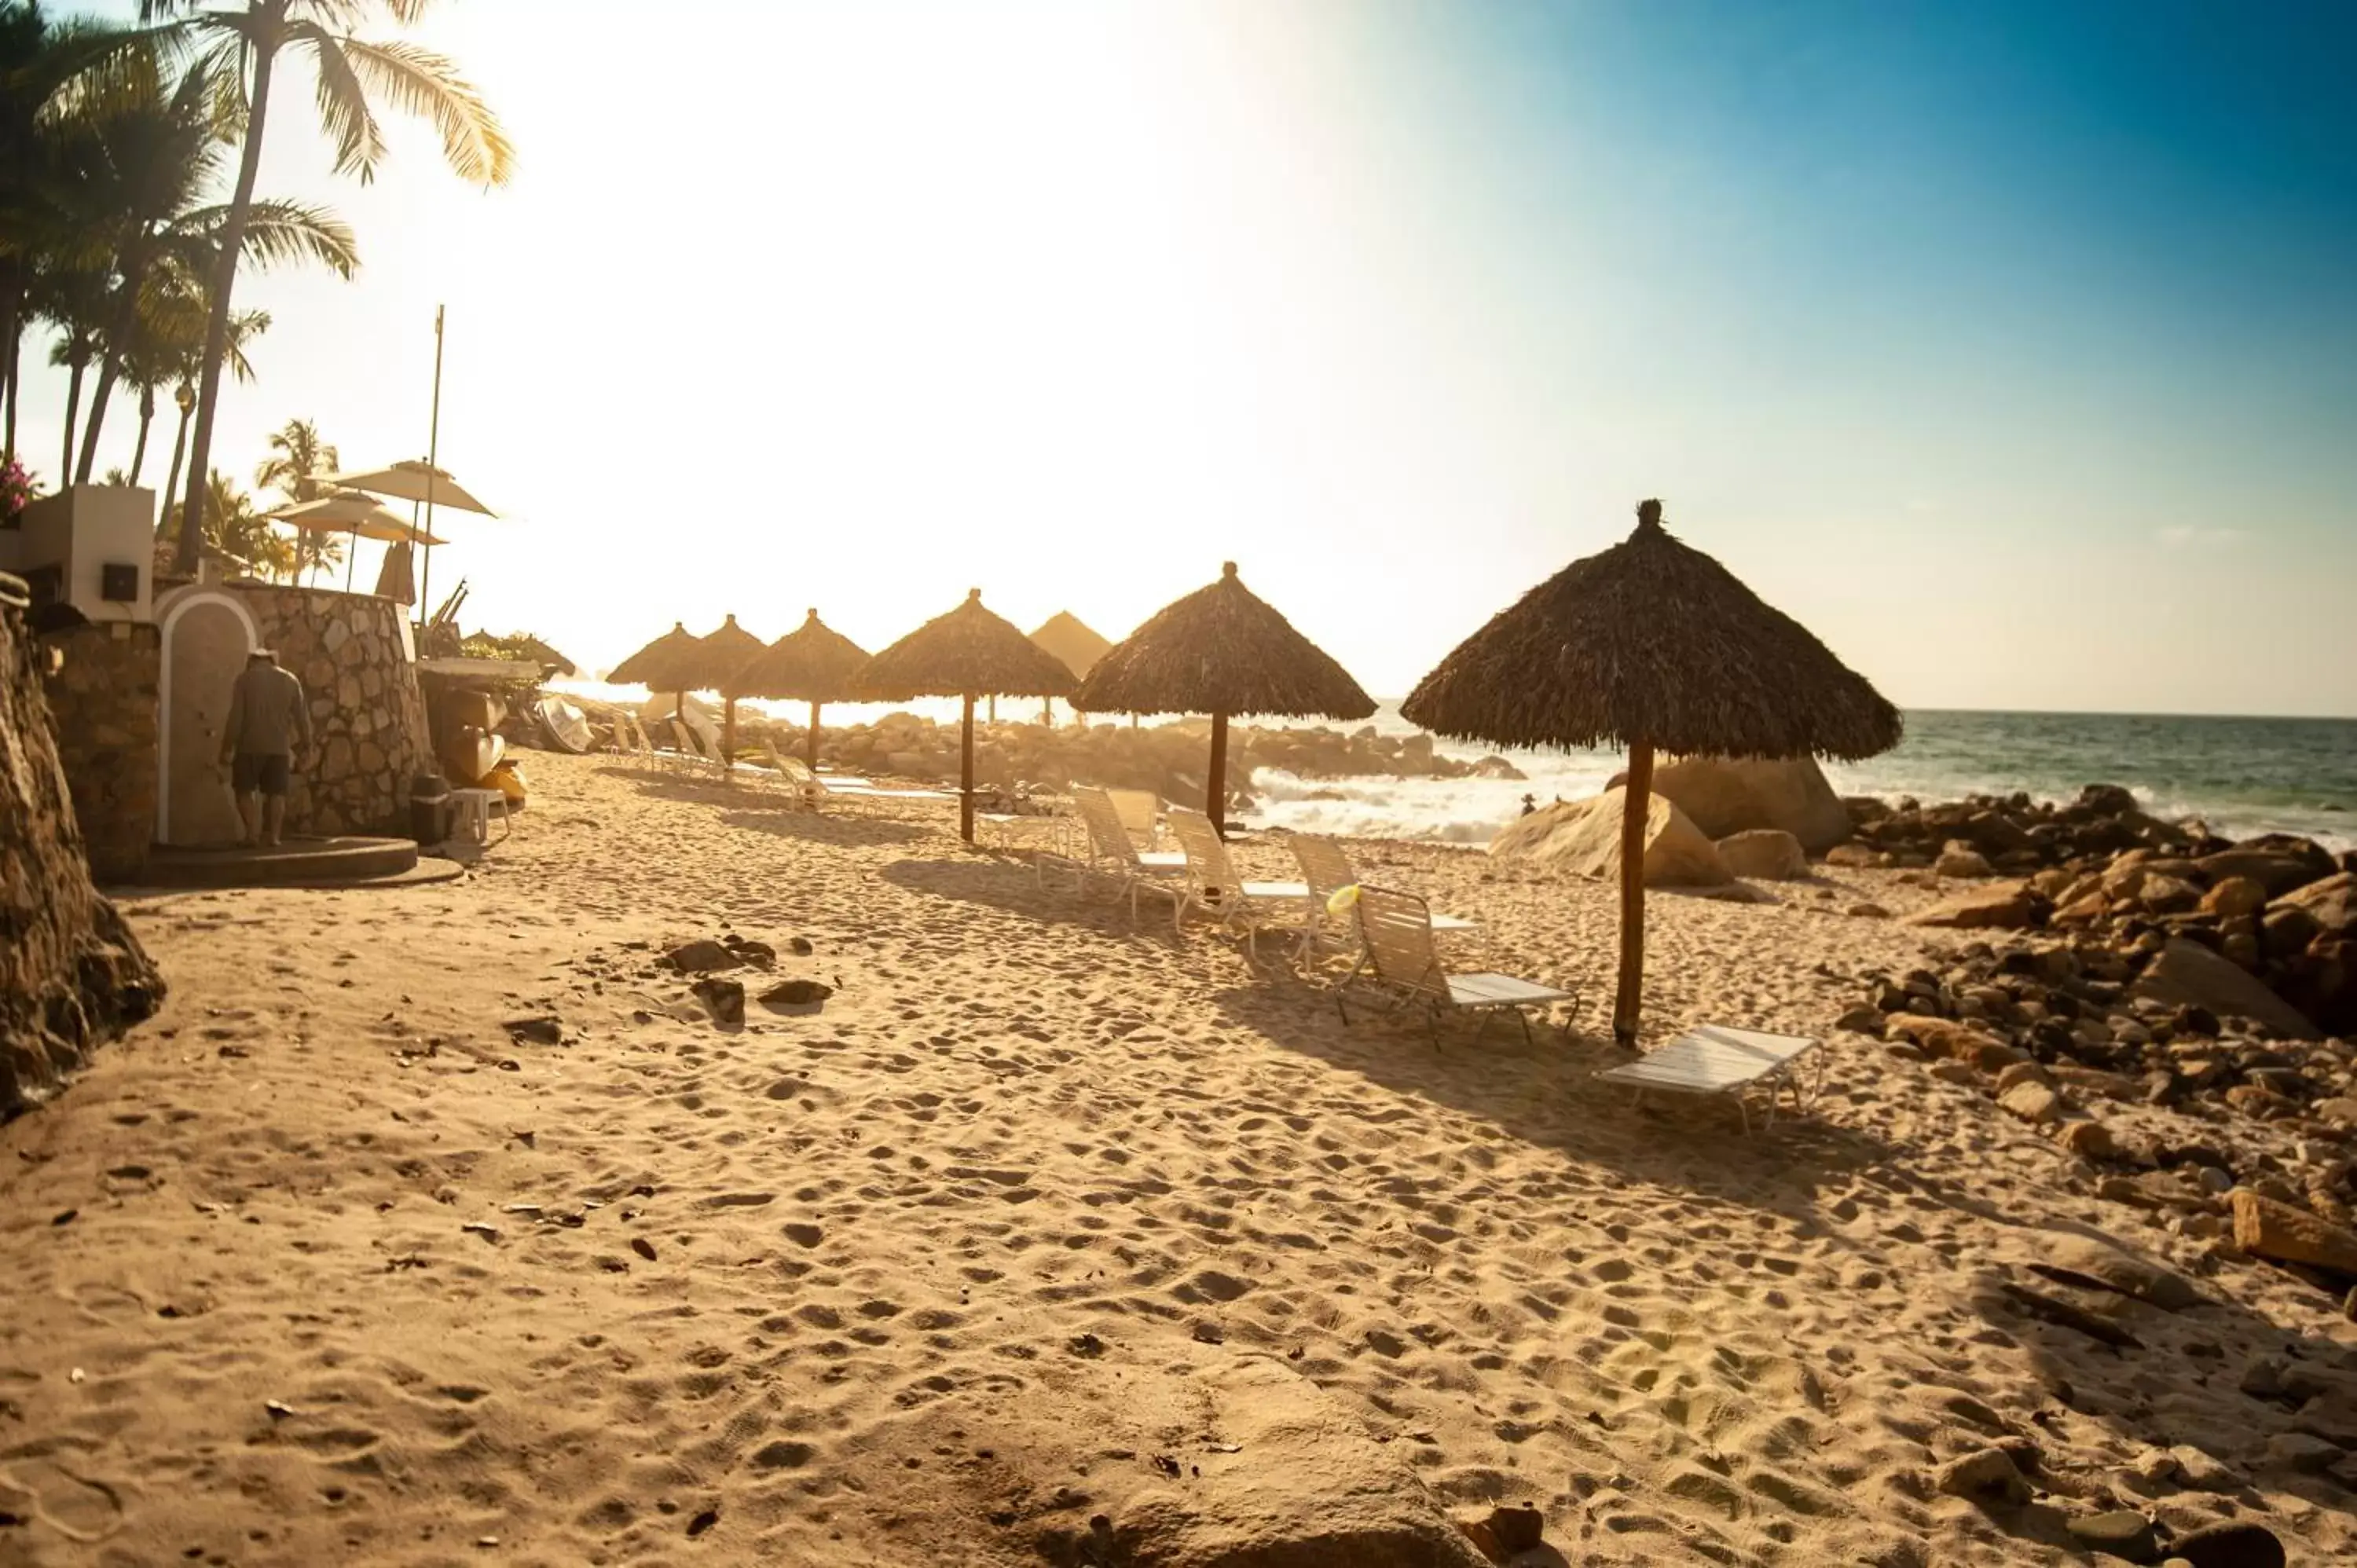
(367, 721)
(72, 974)
(103, 701)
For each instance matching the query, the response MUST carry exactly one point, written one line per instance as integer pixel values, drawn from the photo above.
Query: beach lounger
(1717, 1060)
(1106, 850)
(1214, 887)
(817, 788)
(1326, 867)
(1140, 811)
(1396, 953)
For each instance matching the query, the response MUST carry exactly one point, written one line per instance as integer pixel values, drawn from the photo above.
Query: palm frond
(343, 101)
(278, 231)
(421, 83)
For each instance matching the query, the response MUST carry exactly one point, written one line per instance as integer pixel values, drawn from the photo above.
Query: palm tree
(155, 149)
(243, 44)
(234, 527)
(298, 460)
(180, 359)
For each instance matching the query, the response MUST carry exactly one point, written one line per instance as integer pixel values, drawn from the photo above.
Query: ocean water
(2241, 776)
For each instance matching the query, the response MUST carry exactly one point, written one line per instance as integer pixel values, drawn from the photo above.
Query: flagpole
(432, 456)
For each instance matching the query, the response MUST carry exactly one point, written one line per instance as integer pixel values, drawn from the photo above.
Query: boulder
(2123, 1533)
(2277, 862)
(1770, 854)
(2033, 1102)
(1961, 860)
(2266, 1228)
(2233, 897)
(1855, 856)
(2187, 974)
(1726, 795)
(2331, 903)
(1985, 1475)
(1584, 837)
(2009, 906)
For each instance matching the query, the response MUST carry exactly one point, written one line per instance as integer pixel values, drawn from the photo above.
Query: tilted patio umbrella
(355, 512)
(414, 481)
(714, 663)
(966, 653)
(813, 663)
(1074, 641)
(1224, 651)
(1651, 643)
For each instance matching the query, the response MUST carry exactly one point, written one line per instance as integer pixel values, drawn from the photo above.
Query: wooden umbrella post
(1215, 785)
(728, 741)
(966, 774)
(809, 744)
(1636, 807)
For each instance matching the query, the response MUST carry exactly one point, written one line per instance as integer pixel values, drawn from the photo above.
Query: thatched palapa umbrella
(813, 663)
(681, 662)
(965, 653)
(1074, 641)
(719, 655)
(1224, 651)
(1651, 643)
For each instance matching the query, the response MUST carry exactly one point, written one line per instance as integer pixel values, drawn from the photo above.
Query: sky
(2012, 348)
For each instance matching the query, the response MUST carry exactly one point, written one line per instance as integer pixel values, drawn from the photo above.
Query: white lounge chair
(1214, 887)
(1717, 1059)
(1396, 952)
(1140, 811)
(817, 788)
(1108, 850)
(1326, 867)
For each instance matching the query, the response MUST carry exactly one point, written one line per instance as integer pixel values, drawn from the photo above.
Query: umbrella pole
(809, 743)
(728, 743)
(1636, 807)
(966, 774)
(1215, 783)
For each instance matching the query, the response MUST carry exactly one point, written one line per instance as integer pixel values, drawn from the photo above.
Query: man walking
(269, 720)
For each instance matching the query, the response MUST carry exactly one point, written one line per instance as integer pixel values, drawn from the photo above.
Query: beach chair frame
(1107, 851)
(1214, 887)
(1714, 1059)
(1399, 955)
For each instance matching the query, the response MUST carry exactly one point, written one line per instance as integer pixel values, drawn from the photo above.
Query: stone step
(329, 861)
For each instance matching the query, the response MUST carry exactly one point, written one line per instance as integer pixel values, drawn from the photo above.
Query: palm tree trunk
(12, 333)
(109, 362)
(179, 449)
(73, 406)
(232, 239)
(147, 418)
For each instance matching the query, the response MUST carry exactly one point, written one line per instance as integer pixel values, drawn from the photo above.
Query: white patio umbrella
(412, 480)
(355, 512)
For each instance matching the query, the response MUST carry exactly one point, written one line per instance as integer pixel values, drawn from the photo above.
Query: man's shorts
(252, 770)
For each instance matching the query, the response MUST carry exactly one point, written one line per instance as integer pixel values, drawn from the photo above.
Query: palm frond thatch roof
(1221, 649)
(968, 650)
(1652, 641)
(1073, 640)
(811, 664)
(680, 662)
(651, 666)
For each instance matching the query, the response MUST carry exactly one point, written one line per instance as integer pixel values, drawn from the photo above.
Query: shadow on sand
(1012, 884)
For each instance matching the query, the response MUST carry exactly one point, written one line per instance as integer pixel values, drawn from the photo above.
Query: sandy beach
(325, 1264)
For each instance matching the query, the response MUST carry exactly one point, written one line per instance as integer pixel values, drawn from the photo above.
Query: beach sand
(323, 1266)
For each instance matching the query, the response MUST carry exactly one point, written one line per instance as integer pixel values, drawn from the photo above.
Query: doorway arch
(206, 634)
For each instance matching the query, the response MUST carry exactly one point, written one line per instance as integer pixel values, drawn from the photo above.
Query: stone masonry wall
(102, 700)
(367, 721)
(72, 974)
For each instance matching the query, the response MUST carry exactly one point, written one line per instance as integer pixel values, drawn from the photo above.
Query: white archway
(171, 609)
